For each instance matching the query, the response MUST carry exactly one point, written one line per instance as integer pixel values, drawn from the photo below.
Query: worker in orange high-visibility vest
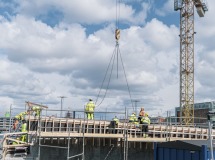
(90, 106)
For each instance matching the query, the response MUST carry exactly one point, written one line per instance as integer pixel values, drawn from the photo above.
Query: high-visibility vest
(145, 120)
(37, 110)
(90, 106)
(133, 118)
(21, 115)
(24, 127)
(116, 120)
(7, 114)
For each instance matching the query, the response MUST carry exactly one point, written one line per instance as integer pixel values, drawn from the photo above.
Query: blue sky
(58, 48)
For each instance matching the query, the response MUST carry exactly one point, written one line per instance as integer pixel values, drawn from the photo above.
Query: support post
(10, 119)
(210, 140)
(68, 145)
(39, 130)
(83, 130)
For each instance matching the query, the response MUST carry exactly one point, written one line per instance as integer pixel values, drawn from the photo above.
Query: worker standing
(133, 118)
(141, 114)
(145, 121)
(7, 115)
(37, 110)
(114, 125)
(90, 106)
(116, 120)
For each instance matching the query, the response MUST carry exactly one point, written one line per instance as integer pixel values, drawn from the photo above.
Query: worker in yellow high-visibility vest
(37, 110)
(133, 118)
(114, 124)
(23, 137)
(145, 121)
(19, 117)
(90, 106)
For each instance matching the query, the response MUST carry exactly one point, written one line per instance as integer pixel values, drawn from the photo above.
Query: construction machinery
(187, 32)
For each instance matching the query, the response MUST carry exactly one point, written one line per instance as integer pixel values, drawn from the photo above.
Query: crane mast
(186, 8)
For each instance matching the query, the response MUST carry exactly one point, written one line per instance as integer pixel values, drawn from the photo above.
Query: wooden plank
(31, 104)
(56, 135)
(101, 128)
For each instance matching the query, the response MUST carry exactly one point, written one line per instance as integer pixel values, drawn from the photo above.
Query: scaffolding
(82, 154)
(82, 130)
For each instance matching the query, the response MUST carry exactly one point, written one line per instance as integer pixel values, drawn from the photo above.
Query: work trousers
(145, 127)
(23, 138)
(90, 115)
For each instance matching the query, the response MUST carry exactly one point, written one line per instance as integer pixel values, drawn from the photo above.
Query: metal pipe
(39, 126)
(83, 130)
(124, 135)
(53, 146)
(210, 139)
(10, 118)
(61, 102)
(75, 155)
(68, 145)
(169, 123)
(127, 138)
(167, 126)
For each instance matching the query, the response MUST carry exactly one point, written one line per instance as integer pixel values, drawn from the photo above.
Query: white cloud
(67, 50)
(87, 12)
(167, 8)
(40, 62)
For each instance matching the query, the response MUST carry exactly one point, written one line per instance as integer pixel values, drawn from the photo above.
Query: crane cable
(117, 13)
(117, 53)
(112, 58)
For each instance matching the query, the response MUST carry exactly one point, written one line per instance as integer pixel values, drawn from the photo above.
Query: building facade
(200, 111)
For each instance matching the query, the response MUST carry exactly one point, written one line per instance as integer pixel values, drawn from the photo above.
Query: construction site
(79, 138)
(73, 135)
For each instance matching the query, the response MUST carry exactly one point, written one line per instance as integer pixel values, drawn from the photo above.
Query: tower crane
(186, 8)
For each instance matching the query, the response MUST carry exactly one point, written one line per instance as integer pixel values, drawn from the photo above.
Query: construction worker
(145, 121)
(19, 117)
(116, 120)
(7, 115)
(90, 106)
(23, 137)
(133, 118)
(37, 110)
(141, 114)
(114, 124)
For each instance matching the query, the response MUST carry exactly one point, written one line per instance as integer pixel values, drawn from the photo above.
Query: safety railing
(92, 128)
(5, 124)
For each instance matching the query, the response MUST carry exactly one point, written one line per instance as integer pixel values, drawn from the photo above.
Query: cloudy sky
(58, 48)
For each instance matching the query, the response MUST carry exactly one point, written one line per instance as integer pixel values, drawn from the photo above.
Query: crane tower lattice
(186, 8)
